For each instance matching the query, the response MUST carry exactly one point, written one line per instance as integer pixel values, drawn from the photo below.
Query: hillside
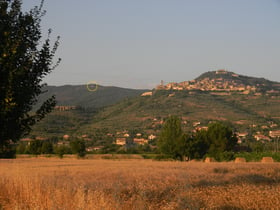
(248, 111)
(147, 112)
(79, 95)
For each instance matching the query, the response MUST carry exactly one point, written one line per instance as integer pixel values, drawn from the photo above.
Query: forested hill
(80, 95)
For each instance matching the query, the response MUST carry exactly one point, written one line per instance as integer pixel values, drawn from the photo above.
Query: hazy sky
(137, 43)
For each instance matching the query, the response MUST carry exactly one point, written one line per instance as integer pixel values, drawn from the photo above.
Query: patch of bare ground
(52, 183)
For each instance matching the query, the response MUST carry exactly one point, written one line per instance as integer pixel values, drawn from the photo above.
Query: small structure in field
(240, 160)
(267, 160)
(209, 160)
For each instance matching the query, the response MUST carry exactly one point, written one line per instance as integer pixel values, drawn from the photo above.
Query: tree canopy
(217, 141)
(24, 61)
(171, 138)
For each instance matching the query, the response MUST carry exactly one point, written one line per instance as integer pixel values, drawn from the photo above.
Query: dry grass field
(50, 183)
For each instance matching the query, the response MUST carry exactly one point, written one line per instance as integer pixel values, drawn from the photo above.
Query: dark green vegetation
(147, 112)
(172, 141)
(217, 141)
(24, 61)
(79, 95)
(37, 147)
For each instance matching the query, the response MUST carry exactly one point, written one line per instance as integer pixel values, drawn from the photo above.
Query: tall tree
(24, 61)
(171, 140)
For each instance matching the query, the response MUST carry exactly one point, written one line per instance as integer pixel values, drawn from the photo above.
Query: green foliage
(35, 147)
(220, 138)
(78, 147)
(110, 148)
(62, 150)
(224, 156)
(257, 147)
(24, 61)
(8, 151)
(197, 146)
(47, 148)
(171, 140)
(21, 148)
(218, 141)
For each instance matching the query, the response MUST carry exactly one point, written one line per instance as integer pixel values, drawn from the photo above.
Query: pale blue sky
(137, 43)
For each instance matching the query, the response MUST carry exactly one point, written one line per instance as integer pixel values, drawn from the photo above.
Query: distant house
(221, 71)
(260, 137)
(196, 124)
(199, 128)
(274, 134)
(96, 148)
(239, 140)
(66, 143)
(121, 141)
(151, 137)
(242, 135)
(141, 141)
(138, 134)
(147, 94)
(273, 125)
(126, 135)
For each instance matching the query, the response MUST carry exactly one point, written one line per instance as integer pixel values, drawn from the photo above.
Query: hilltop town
(224, 82)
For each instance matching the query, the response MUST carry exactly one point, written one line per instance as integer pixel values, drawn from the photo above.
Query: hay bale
(209, 160)
(240, 160)
(267, 160)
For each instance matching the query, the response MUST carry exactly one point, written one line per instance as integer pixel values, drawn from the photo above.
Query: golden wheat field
(51, 183)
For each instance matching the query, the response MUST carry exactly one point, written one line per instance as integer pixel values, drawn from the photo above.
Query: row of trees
(217, 141)
(37, 147)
